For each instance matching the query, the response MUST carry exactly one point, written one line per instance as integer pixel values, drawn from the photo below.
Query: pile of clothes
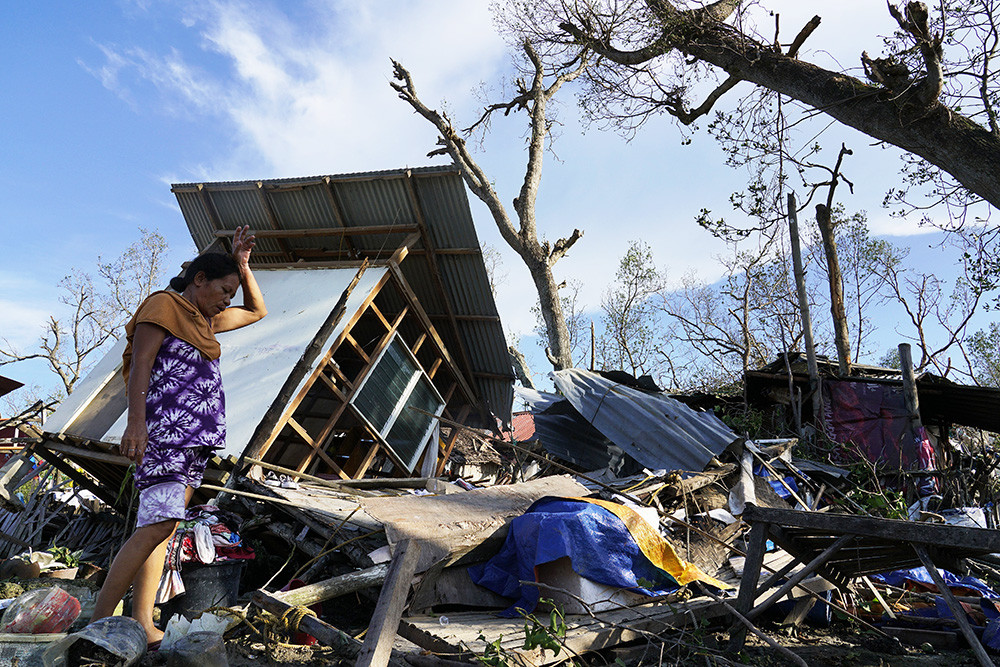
(206, 536)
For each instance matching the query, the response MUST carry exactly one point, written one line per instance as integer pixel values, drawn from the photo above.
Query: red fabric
(872, 416)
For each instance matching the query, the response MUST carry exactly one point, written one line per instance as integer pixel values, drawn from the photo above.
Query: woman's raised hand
(243, 243)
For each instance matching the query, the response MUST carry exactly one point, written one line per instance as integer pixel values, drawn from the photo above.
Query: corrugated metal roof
(377, 199)
(657, 431)
(943, 401)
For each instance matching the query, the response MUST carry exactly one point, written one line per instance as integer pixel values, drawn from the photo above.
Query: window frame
(401, 401)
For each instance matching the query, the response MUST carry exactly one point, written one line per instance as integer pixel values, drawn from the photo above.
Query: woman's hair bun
(213, 264)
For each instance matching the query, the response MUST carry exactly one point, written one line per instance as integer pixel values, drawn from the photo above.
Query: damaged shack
(379, 302)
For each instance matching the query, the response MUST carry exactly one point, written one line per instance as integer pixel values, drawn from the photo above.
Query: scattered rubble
(373, 506)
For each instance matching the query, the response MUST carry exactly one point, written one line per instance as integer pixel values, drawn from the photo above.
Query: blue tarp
(988, 604)
(598, 544)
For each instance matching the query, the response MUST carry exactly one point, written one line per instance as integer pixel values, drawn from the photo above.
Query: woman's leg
(147, 582)
(133, 557)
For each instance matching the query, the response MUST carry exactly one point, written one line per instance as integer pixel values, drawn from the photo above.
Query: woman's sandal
(153, 646)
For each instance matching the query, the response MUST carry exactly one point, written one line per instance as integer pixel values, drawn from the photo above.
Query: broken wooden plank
(459, 636)
(377, 648)
(940, 535)
(954, 606)
(797, 577)
(335, 586)
(756, 545)
(451, 525)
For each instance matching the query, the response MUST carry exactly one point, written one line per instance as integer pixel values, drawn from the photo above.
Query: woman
(176, 410)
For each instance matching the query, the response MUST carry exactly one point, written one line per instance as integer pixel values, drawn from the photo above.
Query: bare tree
(97, 313)
(862, 259)
(533, 96)
(938, 320)
(737, 323)
(495, 270)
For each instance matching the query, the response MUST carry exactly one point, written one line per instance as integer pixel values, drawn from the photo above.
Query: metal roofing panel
(376, 198)
(196, 216)
(465, 278)
(943, 401)
(446, 208)
(572, 439)
(657, 431)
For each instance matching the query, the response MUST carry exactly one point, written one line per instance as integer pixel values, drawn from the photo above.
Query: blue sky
(106, 104)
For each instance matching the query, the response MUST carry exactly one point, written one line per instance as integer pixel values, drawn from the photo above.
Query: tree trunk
(800, 288)
(521, 369)
(539, 257)
(840, 333)
(559, 352)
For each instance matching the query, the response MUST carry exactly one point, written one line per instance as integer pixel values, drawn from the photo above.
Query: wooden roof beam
(325, 231)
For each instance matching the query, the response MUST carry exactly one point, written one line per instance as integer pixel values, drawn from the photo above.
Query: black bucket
(206, 586)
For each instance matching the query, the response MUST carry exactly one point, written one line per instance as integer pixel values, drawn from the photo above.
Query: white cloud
(313, 96)
(22, 323)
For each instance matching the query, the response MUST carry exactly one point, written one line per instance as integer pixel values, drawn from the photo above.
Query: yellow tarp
(655, 548)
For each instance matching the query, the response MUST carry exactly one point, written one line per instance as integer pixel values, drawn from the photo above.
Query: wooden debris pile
(383, 564)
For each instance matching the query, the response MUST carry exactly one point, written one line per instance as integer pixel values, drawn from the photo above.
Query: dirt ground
(839, 646)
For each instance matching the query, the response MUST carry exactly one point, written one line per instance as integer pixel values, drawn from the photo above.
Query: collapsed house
(381, 320)
(928, 444)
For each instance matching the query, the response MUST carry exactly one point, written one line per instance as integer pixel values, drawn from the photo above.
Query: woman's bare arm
(253, 308)
(145, 345)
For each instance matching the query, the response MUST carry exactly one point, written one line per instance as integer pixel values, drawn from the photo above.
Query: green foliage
(891, 359)
(745, 421)
(869, 492)
(548, 637)
(65, 556)
(537, 635)
(631, 337)
(494, 655)
(984, 351)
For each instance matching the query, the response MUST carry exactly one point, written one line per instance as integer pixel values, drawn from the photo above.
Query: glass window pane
(385, 385)
(408, 432)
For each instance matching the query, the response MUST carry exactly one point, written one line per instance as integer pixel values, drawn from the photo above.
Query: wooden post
(954, 606)
(377, 648)
(909, 384)
(800, 288)
(593, 346)
(748, 585)
(911, 401)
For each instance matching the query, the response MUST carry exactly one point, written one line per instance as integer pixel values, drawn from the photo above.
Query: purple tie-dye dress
(185, 408)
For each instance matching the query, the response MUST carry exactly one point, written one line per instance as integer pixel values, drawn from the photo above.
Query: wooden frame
(337, 439)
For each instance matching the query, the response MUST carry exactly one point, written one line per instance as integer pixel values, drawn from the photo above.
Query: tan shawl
(179, 317)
